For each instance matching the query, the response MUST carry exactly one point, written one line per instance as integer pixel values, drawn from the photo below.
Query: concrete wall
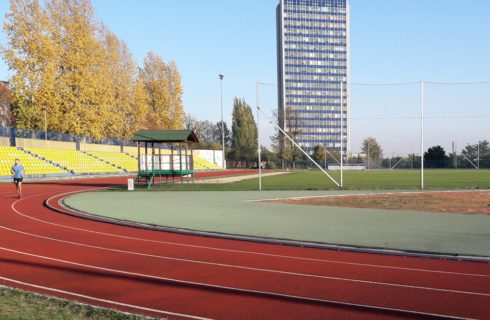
(45, 144)
(213, 156)
(99, 147)
(4, 142)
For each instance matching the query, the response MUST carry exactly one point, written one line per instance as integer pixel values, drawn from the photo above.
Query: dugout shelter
(164, 154)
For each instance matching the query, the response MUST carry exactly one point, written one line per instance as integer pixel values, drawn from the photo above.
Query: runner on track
(18, 171)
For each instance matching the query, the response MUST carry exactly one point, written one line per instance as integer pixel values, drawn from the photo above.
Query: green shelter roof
(162, 136)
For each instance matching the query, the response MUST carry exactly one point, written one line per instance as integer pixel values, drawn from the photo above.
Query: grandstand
(33, 164)
(119, 159)
(43, 158)
(76, 161)
(202, 164)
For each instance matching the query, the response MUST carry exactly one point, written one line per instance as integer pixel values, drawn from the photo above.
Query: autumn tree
(32, 53)
(163, 84)
(70, 66)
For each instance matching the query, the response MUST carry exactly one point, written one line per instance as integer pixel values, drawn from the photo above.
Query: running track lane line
(168, 313)
(230, 250)
(231, 266)
(244, 291)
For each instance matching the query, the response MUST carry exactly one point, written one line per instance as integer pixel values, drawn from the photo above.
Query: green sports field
(361, 180)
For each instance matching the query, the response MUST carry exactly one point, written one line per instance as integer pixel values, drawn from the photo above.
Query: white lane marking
(370, 194)
(232, 266)
(100, 300)
(213, 286)
(237, 251)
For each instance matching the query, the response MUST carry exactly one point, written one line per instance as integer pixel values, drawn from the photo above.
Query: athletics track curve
(187, 277)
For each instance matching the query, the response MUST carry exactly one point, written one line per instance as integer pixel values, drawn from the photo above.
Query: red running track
(188, 277)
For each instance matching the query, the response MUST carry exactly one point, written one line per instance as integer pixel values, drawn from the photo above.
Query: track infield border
(61, 207)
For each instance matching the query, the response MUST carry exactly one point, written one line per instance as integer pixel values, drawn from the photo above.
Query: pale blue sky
(391, 41)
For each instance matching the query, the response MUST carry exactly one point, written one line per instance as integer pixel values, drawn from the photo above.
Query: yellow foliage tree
(163, 84)
(32, 54)
(82, 76)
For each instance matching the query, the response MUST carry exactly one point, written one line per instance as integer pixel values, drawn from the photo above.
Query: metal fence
(58, 136)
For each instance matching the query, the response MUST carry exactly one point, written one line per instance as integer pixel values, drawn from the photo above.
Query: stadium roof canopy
(165, 136)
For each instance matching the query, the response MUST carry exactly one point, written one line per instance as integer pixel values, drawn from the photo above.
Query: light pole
(258, 135)
(45, 124)
(257, 84)
(222, 124)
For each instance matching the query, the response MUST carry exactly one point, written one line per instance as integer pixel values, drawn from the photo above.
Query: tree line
(240, 143)
(71, 71)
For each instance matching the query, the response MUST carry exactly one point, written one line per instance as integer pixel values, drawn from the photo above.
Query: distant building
(313, 60)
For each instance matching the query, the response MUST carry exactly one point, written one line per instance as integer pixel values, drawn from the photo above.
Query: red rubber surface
(176, 273)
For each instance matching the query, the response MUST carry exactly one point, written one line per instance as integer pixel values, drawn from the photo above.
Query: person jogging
(18, 171)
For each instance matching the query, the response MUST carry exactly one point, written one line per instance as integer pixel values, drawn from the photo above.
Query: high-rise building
(313, 65)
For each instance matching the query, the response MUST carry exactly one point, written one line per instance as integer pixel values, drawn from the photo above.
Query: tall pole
(341, 135)
(422, 134)
(478, 154)
(45, 124)
(258, 135)
(222, 124)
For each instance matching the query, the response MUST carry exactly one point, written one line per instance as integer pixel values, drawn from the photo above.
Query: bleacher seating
(76, 161)
(119, 159)
(202, 164)
(32, 165)
(41, 161)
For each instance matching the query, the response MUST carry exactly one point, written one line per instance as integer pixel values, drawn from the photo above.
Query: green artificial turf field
(358, 180)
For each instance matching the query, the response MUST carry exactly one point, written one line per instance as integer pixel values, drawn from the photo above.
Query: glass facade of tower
(313, 65)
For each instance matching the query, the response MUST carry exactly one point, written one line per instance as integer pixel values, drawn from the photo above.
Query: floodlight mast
(259, 154)
(258, 135)
(222, 124)
(422, 134)
(341, 135)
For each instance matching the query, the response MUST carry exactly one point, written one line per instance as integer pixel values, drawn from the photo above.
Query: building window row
(300, 103)
(320, 58)
(316, 41)
(311, 27)
(314, 46)
(323, 76)
(341, 52)
(329, 3)
(315, 11)
(328, 88)
(315, 72)
(311, 39)
(291, 95)
(306, 81)
(315, 66)
(316, 36)
(321, 20)
(313, 55)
